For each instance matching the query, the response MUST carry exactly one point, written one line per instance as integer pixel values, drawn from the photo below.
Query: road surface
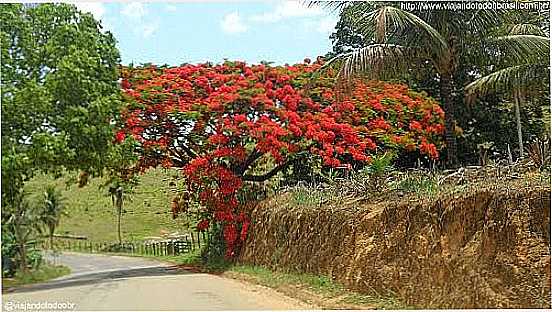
(99, 282)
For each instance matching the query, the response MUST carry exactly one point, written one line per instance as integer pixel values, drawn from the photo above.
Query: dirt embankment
(486, 248)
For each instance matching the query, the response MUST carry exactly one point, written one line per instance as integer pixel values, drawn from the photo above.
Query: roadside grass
(90, 211)
(320, 290)
(44, 273)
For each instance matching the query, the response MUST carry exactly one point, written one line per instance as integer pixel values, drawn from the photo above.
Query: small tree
(122, 178)
(52, 209)
(24, 221)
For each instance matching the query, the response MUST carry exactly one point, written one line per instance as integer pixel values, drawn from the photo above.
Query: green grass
(91, 213)
(323, 286)
(44, 273)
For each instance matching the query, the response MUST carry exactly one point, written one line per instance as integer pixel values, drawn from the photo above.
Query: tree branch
(240, 169)
(268, 175)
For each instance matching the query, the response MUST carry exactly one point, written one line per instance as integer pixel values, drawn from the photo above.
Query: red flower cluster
(217, 121)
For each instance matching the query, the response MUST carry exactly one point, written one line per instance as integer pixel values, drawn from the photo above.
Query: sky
(192, 32)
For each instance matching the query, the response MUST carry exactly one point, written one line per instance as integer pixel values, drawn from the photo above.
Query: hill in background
(90, 211)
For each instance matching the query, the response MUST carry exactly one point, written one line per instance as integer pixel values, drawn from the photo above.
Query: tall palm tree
(527, 52)
(396, 40)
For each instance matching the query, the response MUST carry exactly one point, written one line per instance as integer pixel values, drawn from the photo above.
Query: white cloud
(136, 15)
(96, 8)
(134, 10)
(287, 9)
(231, 23)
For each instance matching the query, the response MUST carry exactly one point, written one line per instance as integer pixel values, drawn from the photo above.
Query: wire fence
(165, 247)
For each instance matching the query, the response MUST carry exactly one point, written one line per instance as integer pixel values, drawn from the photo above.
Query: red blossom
(230, 233)
(120, 136)
(203, 225)
(245, 227)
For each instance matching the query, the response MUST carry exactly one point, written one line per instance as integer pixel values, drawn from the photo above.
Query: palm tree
(117, 196)
(122, 177)
(52, 210)
(397, 40)
(527, 50)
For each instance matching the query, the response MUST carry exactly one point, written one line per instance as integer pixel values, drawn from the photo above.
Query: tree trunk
(119, 212)
(23, 255)
(518, 122)
(52, 230)
(448, 107)
(20, 237)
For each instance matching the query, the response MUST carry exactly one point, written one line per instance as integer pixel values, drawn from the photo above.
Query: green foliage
(492, 120)
(419, 184)
(213, 255)
(307, 197)
(59, 90)
(59, 95)
(9, 250)
(52, 210)
(339, 186)
(380, 164)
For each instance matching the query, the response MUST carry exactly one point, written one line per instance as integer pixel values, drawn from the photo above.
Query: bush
(214, 253)
(10, 261)
(9, 251)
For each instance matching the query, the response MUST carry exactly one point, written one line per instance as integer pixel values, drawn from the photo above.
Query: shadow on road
(100, 277)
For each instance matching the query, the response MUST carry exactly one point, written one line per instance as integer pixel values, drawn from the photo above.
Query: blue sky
(192, 32)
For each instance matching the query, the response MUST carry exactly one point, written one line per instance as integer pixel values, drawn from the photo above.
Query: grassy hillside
(91, 213)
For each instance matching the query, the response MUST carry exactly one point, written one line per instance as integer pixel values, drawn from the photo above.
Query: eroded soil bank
(486, 247)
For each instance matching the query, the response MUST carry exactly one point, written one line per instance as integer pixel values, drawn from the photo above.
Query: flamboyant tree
(222, 123)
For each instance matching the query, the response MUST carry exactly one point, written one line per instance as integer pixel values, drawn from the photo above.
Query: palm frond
(389, 22)
(526, 29)
(524, 48)
(510, 78)
(336, 6)
(376, 61)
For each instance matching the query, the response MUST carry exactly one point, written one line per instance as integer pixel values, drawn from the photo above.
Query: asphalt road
(99, 282)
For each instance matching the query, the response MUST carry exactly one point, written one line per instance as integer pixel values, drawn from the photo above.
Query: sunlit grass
(91, 212)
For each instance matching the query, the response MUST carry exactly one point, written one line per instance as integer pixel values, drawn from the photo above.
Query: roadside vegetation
(320, 291)
(44, 273)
